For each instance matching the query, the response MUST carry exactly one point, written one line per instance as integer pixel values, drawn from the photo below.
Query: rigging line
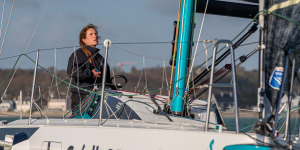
(59, 48)
(205, 56)
(163, 75)
(226, 53)
(107, 106)
(226, 72)
(70, 77)
(39, 109)
(33, 34)
(144, 66)
(7, 25)
(142, 43)
(250, 43)
(17, 55)
(85, 89)
(55, 73)
(78, 81)
(200, 33)
(7, 79)
(48, 49)
(137, 54)
(205, 50)
(40, 51)
(62, 80)
(66, 47)
(112, 69)
(68, 88)
(138, 84)
(193, 60)
(166, 76)
(2, 18)
(21, 56)
(174, 52)
(51, 85)
(149, 42)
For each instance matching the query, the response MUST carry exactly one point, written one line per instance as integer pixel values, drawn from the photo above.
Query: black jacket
(80, 70)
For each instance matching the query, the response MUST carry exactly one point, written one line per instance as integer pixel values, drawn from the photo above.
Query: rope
(193, 60)
(144, 68)
(26, 46)
(163, 75)
(2, 18)
(69, 85)
(75, 58)
(33, 34)
(61, 80)
(206, 55)
(7, 78)
(225, 69)
(200, 33)
(55, 73)
(138, 84)
(174, 52)
(12, 7)
(136, 53)
(80, 108)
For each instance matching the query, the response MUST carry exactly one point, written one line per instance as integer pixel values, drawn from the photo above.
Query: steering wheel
(119, 85)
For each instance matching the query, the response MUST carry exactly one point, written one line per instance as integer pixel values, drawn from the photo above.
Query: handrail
(229, 43)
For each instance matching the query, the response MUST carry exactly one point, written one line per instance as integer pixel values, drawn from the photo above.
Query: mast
(262, 46)
(184, 39)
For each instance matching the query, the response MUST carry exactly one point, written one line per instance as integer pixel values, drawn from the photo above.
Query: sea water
(246, 124)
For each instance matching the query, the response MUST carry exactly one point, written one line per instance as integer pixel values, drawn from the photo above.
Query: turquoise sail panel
(184, 34)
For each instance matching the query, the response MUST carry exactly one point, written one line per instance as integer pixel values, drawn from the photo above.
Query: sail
(282, 36)
(233, 8)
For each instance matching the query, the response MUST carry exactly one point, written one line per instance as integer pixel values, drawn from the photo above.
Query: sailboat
(120, 120)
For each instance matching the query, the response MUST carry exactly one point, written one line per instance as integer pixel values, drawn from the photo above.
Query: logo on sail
(276, 78)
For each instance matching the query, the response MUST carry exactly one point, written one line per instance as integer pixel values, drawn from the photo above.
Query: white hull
(150, 131)
(125, 135)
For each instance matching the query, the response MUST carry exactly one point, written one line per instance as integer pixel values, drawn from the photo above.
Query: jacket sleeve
(78, 69)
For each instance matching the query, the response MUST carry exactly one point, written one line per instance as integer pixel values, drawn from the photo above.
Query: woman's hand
(96, 73)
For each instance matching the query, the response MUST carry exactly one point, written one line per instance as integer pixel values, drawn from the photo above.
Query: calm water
(245, 123)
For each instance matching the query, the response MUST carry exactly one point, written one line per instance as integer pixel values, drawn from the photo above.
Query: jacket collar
(92, 49)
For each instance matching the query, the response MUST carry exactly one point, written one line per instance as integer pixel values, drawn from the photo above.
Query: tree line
(155, 80)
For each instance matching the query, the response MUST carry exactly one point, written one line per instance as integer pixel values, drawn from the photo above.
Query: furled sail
(233, 8)
(282, 37)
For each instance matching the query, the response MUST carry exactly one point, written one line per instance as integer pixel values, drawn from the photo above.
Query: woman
(85, 66)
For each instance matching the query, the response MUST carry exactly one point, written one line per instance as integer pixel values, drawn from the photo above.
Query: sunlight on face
(91, 38)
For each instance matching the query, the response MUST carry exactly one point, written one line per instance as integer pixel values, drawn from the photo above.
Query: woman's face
(91, 37)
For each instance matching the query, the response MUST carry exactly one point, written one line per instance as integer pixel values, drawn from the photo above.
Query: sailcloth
(282, 36)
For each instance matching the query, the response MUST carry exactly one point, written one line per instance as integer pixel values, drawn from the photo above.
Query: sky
(128, 24)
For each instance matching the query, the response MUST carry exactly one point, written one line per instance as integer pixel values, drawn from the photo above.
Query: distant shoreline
(250, 114)
(34, 114)
(242, 114)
